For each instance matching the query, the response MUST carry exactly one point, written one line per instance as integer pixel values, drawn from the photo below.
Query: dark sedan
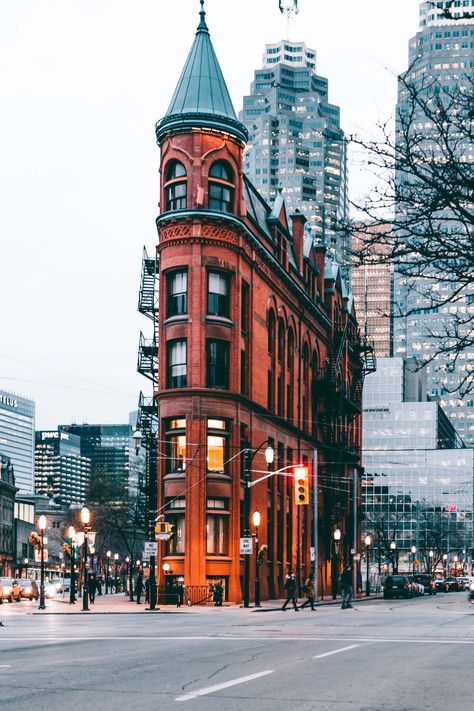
(397, 586)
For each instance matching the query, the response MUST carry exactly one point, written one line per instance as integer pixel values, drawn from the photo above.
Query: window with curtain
(175, 186)
(177, 368)
(217, 534)
(177, 299)
(218, 302)
(217, 435)
(176, 446)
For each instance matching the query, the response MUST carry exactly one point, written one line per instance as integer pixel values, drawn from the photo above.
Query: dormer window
(175, 186)
(221, 187)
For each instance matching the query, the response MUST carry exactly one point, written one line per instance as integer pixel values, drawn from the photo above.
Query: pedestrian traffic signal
(301, 486)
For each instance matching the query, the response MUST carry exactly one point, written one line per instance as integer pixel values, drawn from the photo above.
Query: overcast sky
(82, 83)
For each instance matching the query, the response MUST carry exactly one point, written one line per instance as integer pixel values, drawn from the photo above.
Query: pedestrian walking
(179, 593)
(139, 586)
(92, 586)
(346, 587)
(218, 594)
(147, 590)
(290, 587)
(310, 592)
(99, 585)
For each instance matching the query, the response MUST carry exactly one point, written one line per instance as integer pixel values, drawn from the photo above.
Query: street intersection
(395, 656)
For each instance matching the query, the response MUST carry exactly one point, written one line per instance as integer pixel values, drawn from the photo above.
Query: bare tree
(425, 190)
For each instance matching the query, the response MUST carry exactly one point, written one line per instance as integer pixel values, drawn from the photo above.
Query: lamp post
(393, 548)
(107, 570)
(25, 562)
(85, 519)
(413, 553)
(127, 572)
(367, 541)
(116, 557)
(42, 527)
(335, 558)
(445, 563)
(456, 559)
(72, 585)
(256, 522)
(249, 455)
(431, 555)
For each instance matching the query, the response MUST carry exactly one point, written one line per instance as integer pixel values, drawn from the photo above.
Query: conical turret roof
(201, 97)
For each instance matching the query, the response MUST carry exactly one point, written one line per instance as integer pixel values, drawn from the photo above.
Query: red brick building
(259, 346)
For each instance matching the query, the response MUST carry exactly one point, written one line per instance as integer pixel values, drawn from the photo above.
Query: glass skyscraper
(418, 477)
(61, 472)
(17, 437)
(296, 143)
(441, 63)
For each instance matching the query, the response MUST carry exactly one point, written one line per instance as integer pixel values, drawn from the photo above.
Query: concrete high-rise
(17, 437)
(61, 472)
(440, 63)
(296, 144)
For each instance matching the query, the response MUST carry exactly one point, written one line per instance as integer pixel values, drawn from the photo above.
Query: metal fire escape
(147, 365)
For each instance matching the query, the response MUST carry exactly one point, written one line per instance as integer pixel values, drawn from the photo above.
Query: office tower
(17, 437)
(372, 289)
(61, 472)
(440, 66)
(296, 144)
(417, 487)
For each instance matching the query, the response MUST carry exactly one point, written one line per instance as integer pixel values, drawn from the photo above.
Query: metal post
(315, 521)
(85, 589)
(107, 586)
(72, 591)
(42, 606)
(257, 571)
(130, 578)
(367, 581)
(116, 577)
(355, 536)
(247, 465)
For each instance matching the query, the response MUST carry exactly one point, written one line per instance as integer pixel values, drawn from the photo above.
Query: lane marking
(5, 666)
(227, 638)
(224, 685)
(336, 651)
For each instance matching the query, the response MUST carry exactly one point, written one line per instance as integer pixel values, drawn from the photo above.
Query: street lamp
(393, 548)
(367, 541)
(107, 568)
(413, 553)
(334, 558)
(85, 519)
(26, 561)
(137, 438)
(42, 527)
(72, 584)
(256, 522)
(249, 455)
(445, 563)
(431, 555)
(116, 557)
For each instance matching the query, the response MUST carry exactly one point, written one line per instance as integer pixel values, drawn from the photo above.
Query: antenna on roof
(290, 9)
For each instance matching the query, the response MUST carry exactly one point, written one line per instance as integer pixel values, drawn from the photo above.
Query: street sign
(38, 556)
(150, 548)
(79, 538)
(163, 536)
(311, 554)
(246, 546)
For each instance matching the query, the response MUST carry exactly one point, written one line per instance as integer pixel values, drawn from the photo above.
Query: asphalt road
(390, 656)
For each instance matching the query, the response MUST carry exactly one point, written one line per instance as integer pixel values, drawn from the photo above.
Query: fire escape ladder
(338, 350)
(147, 363)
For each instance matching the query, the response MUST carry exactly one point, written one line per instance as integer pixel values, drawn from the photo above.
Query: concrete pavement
(395, 656)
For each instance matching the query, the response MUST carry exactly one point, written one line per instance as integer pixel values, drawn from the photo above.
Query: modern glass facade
(296, 144)
(418, 478)
(17, 437)
(61, 472)
(441, 62)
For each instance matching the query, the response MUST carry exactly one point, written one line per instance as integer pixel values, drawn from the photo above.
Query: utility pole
(315, 522)
(355, 536)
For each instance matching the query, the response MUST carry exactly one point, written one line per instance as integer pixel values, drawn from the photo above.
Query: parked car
(427, 581)
(417, 587)
(464, 581)
(397, 586)
(29, 589)
(441, 585)
(454, 584)
(11, 589)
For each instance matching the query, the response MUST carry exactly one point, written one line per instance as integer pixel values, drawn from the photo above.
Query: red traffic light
(301, 486)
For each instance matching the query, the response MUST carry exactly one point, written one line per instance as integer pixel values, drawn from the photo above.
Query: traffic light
(301, 486)
(67, 550)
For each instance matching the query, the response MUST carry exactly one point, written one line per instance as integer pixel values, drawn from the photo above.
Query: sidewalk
(119, 604)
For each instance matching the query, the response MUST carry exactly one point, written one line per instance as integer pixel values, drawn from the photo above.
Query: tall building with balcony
(61, 472)
(296, 144)
(440, 63)
(17, 437)
(258, 346)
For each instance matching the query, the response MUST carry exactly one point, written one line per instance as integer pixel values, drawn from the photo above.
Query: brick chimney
(298, 221)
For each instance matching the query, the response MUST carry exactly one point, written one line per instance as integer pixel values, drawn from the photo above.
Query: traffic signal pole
(315, 522)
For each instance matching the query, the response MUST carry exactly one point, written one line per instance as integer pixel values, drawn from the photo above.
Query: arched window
(305, 364)
(175, 186)
(281, 341)
(291, 365)
(271, 332)
(221, 187)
